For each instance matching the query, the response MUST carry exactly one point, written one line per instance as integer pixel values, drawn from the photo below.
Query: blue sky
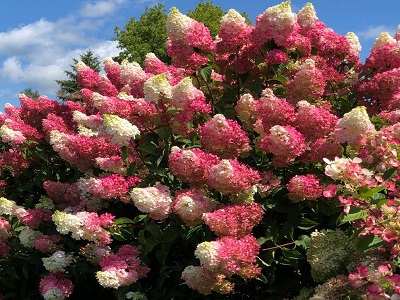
(39, 39)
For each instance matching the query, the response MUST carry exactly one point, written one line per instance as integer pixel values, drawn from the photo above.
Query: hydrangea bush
(263, 163)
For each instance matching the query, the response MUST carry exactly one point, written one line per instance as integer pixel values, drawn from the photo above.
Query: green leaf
(148, 148)
(124, 153)
(368, 243)
(154, 229)
(263, 239)
(303, 242)
(262, 278)
(291, 253)
(389, 174)
(354, 214)
(287, 230)
(261, 262)
(205, 73)
(170, 234)
(306, 224)
(165, 133)
(367, 192)
(123, 220)
(131, 169)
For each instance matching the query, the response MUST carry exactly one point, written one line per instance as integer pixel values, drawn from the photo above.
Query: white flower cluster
(9, 135)
(57, 262)
(108, 279)
(157, 87)
(131, 72)
(233, 22)
(120, 129)
(384, 39)
(278, 17)
(306, 16)
(354, 42)
(7, 207)
(328, 253)
(54, 294)
(207, 253)
(178, 25)
(27, 237)
(153, 200)
(184, 92)
(354, 126)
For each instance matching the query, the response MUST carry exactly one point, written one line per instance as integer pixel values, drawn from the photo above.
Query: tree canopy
(148, 34)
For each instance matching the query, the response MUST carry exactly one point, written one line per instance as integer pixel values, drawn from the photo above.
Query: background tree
(209, 15)
(33, 94)
(148, 34)
(69, 88)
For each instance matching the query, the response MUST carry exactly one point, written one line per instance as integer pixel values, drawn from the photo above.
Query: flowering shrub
(267, 153)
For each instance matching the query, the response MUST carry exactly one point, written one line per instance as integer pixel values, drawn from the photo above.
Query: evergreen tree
(33, 94)
(69, 88)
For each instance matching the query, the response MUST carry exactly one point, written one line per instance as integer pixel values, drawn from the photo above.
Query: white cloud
(42, 77)
(373, 32)
(100, 8)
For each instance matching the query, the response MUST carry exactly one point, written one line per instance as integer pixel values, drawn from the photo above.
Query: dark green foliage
(69, 88)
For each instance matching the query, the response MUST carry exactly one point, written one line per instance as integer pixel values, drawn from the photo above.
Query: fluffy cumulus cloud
(373, 32)
(35, 55)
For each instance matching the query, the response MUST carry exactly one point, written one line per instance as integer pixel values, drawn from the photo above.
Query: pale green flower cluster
(57, 262)
(328, 253)
(7, 207)
(120, 129)
(54, 294)
(177, 25)
(135, 296)
(108, 279)
(353, 126)
(45, 203)
(207, 253)
(67, 223)
(334, 289)
(27, 237)
(157, 87)
(384, 39)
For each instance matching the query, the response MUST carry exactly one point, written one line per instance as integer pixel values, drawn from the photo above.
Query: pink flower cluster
(184, 36)
(191, 205)
(109, 187)
(55, 286)
(48, 243)
(234, 220)
(223, 137)
(191, 165)
(230, 255)
(34, 217)
(230, 176)
(380, 282)
(285, 142)
(5, 233)
(122, 268)
(304, 187)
